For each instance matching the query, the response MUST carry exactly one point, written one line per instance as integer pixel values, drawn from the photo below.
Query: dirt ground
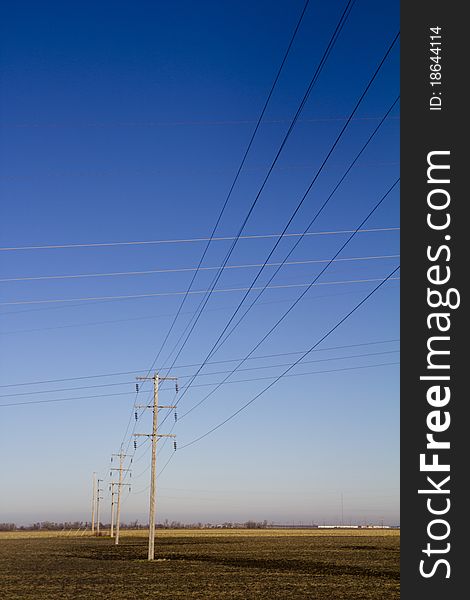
(203, 565)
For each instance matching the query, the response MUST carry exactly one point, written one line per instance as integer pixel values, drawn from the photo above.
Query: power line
(369, 84)
(115, 172)
(284, 373)
(368, 354)
(318, 70)
(194, 122)
(80, 305)
(207, 295)
(105, 322)
(197, 385)
(279, 321)
(240, 166)
(180, 293)
(215, 362)
(214, 347)
(190, 269)
(264, 378)
(81, 387)
(318, 360)
(371, 80)
(188, 240)
(68, 399)
(219, 342)
(317, 214)
(214, 286)
(87, 387)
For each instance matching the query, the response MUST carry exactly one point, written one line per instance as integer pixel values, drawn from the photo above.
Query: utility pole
(98, 498)
(155, 436)
(121, 456)
(111, 489)
(93, 504)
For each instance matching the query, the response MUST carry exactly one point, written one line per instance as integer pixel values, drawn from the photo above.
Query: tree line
(166, 524)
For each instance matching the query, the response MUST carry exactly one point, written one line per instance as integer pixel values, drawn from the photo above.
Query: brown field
(203, 564)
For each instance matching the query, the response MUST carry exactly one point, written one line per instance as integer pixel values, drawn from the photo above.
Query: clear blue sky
(127, 121)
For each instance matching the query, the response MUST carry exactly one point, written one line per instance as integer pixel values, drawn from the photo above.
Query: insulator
(131, 459)
(137, 388)
(176, 416)
(111, 459)
(174, 445)
(136, 415)
(176, 387)
(110, 473)
(130, 475)
(109, 488)
(135, 445)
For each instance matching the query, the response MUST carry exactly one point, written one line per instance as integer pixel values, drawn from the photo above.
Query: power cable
(183, 241)
(284, 373)
(189, 269)
(106, 322)
(318, 70)
(317, 214)
(265, 378)
(184, 122)
(279, 321)
(87, 387)
(179, 293)
(343, 19)
(196, 364)
(339, 136)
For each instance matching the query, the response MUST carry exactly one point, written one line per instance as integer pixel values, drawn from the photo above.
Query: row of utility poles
(95, 506)
(116, 504)
(119, 484)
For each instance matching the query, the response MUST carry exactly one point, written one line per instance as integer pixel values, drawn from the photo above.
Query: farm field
(203, 565)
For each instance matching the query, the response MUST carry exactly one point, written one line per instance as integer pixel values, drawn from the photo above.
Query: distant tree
(256, 524)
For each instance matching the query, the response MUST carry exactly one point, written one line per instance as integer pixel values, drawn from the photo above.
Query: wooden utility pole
(93, 504)
(111, 489)
(121, 456)
(98, 498)
(153, 476)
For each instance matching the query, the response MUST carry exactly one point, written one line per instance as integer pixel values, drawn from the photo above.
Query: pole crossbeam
(158, 435)
(141, 378)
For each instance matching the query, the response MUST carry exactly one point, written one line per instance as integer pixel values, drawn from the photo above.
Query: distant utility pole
(93, 504)
(121, 468)
(155, 436)
(111, 489)
(98, 498)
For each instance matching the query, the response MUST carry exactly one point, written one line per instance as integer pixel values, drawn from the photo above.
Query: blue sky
(128, 122)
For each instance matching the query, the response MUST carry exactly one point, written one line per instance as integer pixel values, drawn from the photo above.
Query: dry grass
(174, 533)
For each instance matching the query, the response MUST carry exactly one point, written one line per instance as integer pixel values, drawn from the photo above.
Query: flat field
(203, 565)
